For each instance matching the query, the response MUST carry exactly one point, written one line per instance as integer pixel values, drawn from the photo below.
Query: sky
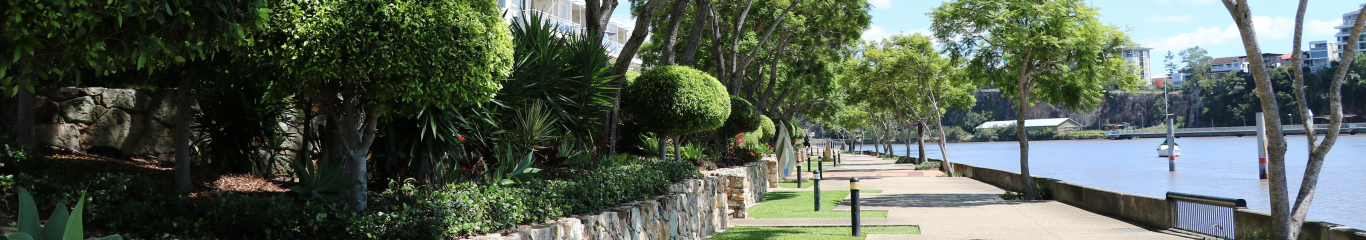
(1164, 25)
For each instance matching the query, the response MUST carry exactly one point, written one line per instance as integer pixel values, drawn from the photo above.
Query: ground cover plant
(798, 204)
(814, 233)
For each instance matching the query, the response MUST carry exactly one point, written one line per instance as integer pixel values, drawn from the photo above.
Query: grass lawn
(746, 233)
(798, 204)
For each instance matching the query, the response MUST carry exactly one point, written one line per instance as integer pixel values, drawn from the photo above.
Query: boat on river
(1162, 150)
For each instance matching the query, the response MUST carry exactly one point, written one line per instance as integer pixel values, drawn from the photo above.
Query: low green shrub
(1043, 192)
(928, 165)
(141, 207)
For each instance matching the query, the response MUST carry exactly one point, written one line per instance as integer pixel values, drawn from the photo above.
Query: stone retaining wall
(693, 209)
(1147, 210)
(139, 122)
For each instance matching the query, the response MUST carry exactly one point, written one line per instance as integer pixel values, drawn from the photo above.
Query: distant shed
(1056, 124)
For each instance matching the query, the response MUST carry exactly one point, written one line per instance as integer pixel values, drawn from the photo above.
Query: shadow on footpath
(931, 200)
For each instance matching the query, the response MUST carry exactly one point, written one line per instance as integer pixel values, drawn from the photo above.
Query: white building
(570, 17)
(1345, 30)
(1140, 56)
(1223, 65)
(1320, 54)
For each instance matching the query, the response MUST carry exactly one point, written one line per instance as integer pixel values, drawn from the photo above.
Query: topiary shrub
(767, 127)
(676, 101)
(743, 118)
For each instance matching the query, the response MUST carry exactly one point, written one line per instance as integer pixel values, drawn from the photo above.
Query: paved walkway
(957, 208)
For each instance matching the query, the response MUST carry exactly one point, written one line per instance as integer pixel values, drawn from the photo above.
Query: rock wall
(693, 209)
(139, 122)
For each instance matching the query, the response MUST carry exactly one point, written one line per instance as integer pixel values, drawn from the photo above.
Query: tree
(1287, 221)
(364, 58)
(742, 119)
(766, 124)
(676, 101)
(906, 77)
(642, 11)
(1052, 51)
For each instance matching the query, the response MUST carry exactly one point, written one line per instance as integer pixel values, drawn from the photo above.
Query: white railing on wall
(561, 24)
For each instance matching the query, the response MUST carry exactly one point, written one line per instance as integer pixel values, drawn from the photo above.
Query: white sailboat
(1162, 150)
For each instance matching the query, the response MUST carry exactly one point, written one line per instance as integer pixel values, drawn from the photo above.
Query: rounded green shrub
(743, 118)
(767, 127)
(676, 100)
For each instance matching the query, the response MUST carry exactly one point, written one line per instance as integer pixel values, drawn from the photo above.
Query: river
(1216, 166)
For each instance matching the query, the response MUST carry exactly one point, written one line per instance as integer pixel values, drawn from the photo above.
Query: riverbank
(1214, 166)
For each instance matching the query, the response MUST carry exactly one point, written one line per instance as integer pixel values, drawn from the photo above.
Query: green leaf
(28, 211)
(18, 236)
(56, 224)
(179, 59)
(112, 237)
(74, 230)
(142, 58)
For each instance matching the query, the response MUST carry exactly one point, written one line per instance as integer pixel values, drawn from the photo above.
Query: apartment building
(1139, 55)
(570, 18)
(1345, 30)
(1320, 54)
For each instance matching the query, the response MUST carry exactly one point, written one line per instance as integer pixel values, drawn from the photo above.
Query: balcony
(613, 47)
(561, 24)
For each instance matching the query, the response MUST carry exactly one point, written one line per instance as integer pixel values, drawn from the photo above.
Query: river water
(1215, 166)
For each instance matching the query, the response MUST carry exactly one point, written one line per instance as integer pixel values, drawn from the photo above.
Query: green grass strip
(801, 233)
(799, 204)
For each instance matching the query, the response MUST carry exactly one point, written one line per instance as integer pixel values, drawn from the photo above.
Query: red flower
(462, 139)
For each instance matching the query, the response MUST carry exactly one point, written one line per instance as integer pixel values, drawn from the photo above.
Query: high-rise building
(1138, 55)
(1345, 30)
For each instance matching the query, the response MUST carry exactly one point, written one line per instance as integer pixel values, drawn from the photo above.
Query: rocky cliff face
(1134, 108)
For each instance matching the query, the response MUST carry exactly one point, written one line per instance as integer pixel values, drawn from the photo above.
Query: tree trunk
(1023, 106)
(599, 13)
(920, 138)
(623, 64)
(1317, 151)
(18, 122)
(352, 124)
(699, 24)
(663, 152)
(1276, 146)
(184, 100)
(678, 154)
(666, 55)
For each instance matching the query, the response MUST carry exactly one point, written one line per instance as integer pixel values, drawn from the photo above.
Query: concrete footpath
(957, 208)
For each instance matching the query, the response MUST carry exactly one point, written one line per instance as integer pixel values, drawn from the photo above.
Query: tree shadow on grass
(750, 233)
(774, 196)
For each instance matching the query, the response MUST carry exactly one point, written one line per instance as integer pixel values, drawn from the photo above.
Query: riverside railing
(1204, 214)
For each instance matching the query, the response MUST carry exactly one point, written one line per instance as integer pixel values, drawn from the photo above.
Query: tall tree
(1052, 51)
(1287, 221)
(365, 58)
(643, 11)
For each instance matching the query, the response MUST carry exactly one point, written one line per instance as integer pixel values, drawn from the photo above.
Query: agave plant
(316, 181)
(510, 173)
(61, 225)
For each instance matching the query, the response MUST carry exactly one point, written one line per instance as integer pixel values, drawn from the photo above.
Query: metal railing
(1204, 214)
(561, 24)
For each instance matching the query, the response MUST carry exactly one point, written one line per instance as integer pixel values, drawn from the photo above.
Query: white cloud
(1267, 28)
(874, 33)
(1176, 19)
(880, 3)
(1316, 27)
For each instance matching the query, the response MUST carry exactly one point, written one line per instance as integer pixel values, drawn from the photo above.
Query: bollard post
(799, 175)
(808, 164)
(853, 205)
(820, 166)
(816, 180)
(1261, 145)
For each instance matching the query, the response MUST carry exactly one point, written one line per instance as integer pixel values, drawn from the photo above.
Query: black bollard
(799, 175)
(816, 180)
(853, 205)
(809, 164)
(820, 166)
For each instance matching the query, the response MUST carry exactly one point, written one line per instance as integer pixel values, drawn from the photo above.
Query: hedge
(676, 100)
(743, 118)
